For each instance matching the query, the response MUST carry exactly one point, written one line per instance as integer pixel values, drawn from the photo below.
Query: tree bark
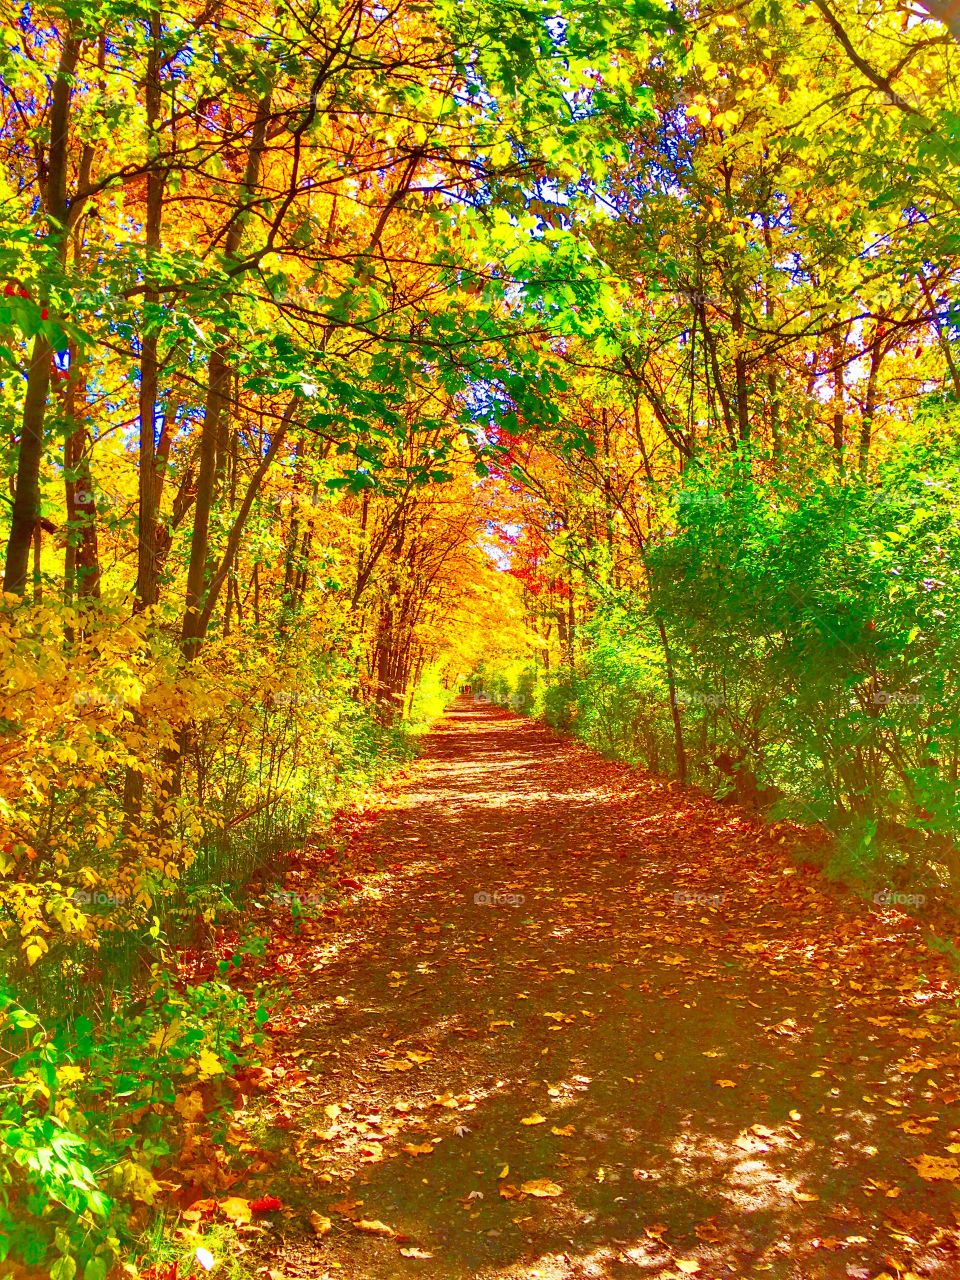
(26, 498)
(147, 559)
(218, 384)
(82, 560)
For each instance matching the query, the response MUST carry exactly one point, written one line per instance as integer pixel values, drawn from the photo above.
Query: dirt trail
(578, 1023)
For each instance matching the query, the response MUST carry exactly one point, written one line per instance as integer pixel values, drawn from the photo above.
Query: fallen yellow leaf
(542, 1188)
(936, 1168)
(374, 1227)
(236, 1209)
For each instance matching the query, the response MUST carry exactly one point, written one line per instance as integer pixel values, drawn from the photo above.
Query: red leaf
(266, 1204)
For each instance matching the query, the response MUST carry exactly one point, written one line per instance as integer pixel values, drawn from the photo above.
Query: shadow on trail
(739, 1061)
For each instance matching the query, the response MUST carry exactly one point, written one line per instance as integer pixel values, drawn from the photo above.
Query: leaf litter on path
(663, 1050)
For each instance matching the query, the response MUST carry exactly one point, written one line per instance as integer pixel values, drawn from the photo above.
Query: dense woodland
(602, 356)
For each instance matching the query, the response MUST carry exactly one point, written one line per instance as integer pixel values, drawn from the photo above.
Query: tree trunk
(147, 559)
(870, 402)
(218, 384)
(26, 499)
(837, 423)
(82, 560)
(678, 747)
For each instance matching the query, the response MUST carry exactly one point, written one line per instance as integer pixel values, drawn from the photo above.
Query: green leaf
(64, 1268)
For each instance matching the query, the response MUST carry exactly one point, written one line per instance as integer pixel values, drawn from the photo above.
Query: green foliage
(816, 632)
(90, 1109)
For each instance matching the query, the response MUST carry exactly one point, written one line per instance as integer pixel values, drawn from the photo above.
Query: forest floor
(576, 1022)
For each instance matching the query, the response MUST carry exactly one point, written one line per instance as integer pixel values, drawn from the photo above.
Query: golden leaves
(541, 1188)
(936, 1168)
(189, 1105)
(209, 1065)
(236, 1209)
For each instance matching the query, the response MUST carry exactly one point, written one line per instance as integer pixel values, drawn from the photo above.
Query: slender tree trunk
(870, 402)
(218, 385)
(678, 746)
(837, 422)
(217, 380)
(147, 560)
(37, 555)
(773, 387)
(740, 370)
(82, 560)
(26, 499)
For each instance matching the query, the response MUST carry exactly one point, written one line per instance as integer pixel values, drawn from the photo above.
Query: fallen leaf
(542, 1188)
(189, 1105)
(536, 1118)
(373, 1227)
(936, 1168)
(320, 1222)
(237, 1209)
(414, 1253)
(266, 1204)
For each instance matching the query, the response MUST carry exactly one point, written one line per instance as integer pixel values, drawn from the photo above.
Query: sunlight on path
(578, 1023)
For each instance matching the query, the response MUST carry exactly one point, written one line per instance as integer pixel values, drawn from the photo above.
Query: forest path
(575, 1022)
